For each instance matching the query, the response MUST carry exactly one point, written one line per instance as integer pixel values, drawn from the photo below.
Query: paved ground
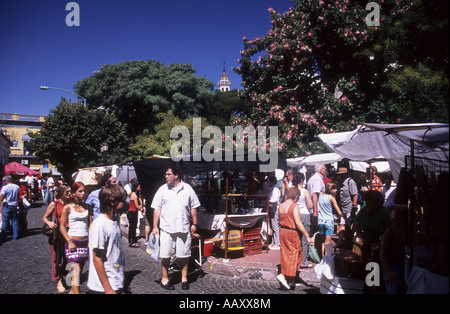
(25, 269)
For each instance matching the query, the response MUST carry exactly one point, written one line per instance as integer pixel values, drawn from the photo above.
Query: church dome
(224, 82)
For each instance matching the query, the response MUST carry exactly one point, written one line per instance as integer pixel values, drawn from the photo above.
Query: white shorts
(180, 242)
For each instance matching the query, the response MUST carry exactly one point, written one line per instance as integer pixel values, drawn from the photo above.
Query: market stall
(306, 164)
(226, 192)
(14, 168)
(418, 155)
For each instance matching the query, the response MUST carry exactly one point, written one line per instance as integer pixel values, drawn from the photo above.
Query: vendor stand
(227, 203)
(418, 155)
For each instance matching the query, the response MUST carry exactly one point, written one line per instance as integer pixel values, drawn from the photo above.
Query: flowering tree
(321, 68)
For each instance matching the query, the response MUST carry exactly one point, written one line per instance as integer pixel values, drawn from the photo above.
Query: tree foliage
(135, 91)
(321, 68)
(223, 106)
(160, 142)
(71, 137)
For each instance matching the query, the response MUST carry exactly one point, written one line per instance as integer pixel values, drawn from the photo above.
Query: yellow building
(17, 128)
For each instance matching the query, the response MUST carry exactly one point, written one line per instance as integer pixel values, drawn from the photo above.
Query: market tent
(93, 176)
(312, 160)
(150, 172)
(18, 169)
(89, 176)
(124, 174)
(306, 164)
(391, 141)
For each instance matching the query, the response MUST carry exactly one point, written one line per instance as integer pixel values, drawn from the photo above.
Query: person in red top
(375, 183)
(24, 192)
(133, 214)
(57, 249)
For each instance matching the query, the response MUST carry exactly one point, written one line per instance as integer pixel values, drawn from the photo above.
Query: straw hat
(342, 170)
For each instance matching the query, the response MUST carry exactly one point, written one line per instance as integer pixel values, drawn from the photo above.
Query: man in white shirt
(175, 204)
(275, 201)
(10, 195)
(315, 186)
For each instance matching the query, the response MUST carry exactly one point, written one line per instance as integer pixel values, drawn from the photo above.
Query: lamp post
(64, 90)
(104, 150)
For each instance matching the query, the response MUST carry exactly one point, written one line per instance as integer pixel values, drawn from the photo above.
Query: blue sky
(38, 48)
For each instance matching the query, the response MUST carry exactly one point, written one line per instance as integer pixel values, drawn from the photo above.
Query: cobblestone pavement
(26, 265)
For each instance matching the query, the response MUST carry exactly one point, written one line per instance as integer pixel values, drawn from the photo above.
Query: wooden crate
(252, 240)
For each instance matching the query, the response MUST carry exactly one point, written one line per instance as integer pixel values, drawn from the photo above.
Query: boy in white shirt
(106, 259)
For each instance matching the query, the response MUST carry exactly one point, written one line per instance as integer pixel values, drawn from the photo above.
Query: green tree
(417, 86)
(160, 142)
(71, 136)
(321, 68)
(223, 105)
(135, 91)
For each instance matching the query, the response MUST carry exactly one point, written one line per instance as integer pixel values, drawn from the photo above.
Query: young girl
(326, 203)
(76, 246)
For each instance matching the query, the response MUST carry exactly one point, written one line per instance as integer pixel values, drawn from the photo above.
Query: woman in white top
(305, 206)
(76, 247)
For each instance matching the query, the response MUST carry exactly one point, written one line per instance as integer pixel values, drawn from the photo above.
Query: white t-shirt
(275, 195)
(105, 235)
(175, 206)
(315, 184)
(302, 203)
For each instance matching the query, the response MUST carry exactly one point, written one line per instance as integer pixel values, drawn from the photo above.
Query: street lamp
(64, 90)
(104, 150)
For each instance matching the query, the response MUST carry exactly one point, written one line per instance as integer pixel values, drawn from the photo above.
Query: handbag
(46, 230)
(153, 246)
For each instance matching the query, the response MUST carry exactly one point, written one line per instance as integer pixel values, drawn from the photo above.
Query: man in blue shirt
(93, 198)
(9, 195)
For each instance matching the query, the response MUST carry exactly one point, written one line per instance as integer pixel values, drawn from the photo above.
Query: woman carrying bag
(56, 243)
(76, 215)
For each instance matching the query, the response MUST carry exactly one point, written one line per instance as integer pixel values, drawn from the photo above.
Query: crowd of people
(334, 205)
(328, 204)
(88, 230)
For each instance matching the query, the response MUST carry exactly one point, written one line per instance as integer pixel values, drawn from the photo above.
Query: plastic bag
(153, 246)
(313, 254)
(25, 203)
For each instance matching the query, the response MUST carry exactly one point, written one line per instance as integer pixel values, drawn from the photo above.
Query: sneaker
(283, 281)
(274, 247)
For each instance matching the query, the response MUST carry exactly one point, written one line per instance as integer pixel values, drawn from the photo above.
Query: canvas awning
(309, 162)
(391, 141)
(18, 169)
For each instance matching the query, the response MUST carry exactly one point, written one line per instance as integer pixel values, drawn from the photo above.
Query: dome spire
(224, 82)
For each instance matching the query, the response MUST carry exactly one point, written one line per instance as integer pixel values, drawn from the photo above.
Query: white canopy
(332, 158)
(93, 175)
(391, 141)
